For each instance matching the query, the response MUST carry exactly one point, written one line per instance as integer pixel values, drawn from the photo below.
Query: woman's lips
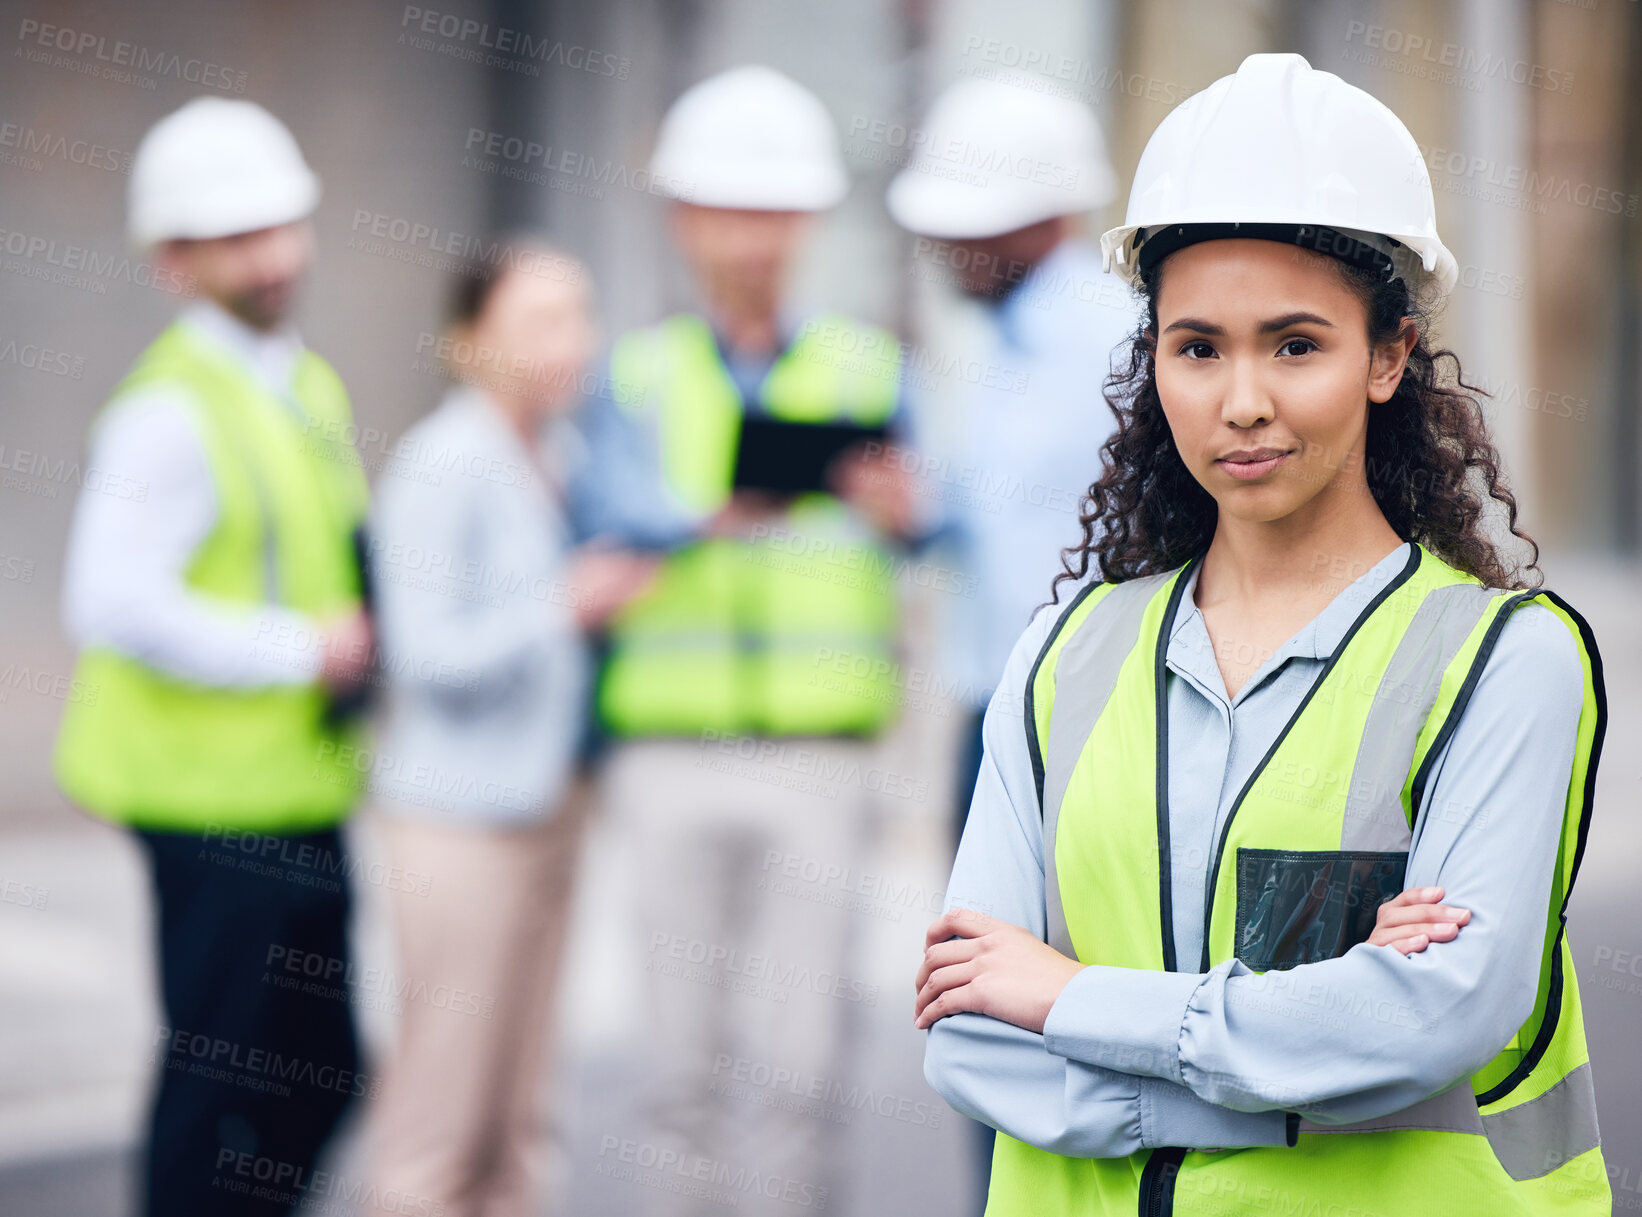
(1248, 471)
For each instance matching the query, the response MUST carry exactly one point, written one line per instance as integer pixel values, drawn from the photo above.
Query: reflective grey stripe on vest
(1454, 1110)
(1374, 815)
(1537, 1137)
(1085, 675)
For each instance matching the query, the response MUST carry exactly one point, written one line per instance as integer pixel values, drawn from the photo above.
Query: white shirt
(128, 552)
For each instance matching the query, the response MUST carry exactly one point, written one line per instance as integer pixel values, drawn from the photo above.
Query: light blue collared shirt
(1012, 440)
(1133, 1059)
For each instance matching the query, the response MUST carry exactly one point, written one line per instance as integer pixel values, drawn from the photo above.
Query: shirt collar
(1027, 312)
(788, 326)
(559, 447)
(271, 355)
(1321, 636)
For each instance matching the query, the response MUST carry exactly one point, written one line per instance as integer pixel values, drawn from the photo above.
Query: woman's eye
(1297, 346)
(1197, 350)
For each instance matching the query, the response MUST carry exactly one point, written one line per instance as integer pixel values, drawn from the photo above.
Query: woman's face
(539, 335)
(1265, 373)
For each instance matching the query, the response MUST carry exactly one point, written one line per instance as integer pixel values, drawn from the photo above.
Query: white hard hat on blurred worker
(215, 167)
(997, 155)
(1298, 153)
(750, 138)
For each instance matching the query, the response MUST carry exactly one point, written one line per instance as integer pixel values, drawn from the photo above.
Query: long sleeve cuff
(1127, 1019)
(1173, 1115)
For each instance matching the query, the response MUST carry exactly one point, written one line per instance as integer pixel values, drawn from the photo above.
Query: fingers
(959, 923)
(948, 992)
(1412, 914)
(944, 954)
(1428, 932)
(1413, 895)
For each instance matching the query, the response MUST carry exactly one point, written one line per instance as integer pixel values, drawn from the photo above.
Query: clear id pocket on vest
(1296, 907)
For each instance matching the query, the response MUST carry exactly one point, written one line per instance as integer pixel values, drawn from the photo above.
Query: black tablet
(790, 458)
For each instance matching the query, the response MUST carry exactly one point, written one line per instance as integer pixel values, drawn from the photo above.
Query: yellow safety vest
(1318, 837)
(788, 634)
(150, 749)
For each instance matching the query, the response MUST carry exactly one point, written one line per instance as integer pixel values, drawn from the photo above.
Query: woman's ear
(1385, 369)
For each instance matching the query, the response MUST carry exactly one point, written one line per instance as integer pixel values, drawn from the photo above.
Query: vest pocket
(1300, 906)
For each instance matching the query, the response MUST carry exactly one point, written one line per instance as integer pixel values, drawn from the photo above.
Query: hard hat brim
(268, 210)
(1438, 271)
(932, 206)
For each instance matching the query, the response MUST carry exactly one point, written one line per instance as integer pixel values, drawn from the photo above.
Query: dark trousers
(969, 769)
(257, 1058)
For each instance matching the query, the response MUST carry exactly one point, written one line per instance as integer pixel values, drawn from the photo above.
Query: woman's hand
(992, 968)
(1414, 919)
(606, 579)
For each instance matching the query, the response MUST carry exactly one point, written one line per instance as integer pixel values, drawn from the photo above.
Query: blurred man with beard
(218, 611)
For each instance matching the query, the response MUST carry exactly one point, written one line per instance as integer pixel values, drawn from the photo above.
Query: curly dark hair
(1431, 464)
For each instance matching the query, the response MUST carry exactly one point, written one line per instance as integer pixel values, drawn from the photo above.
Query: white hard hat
(216, 167)
(1280, 144)
(997, 155)
(751, 138)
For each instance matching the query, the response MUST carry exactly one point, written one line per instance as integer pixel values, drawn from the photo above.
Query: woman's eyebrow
(1198, 325)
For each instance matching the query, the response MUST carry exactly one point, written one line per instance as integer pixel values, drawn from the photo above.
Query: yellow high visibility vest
(147, 748)
(1318, 837)
(788, 634)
